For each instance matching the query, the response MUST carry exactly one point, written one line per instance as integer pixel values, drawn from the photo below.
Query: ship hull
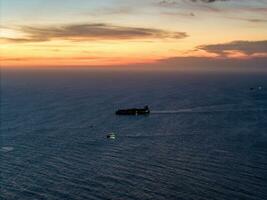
(134, 111)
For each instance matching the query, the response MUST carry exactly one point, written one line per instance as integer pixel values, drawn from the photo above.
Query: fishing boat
(111, 136)
(134, 111)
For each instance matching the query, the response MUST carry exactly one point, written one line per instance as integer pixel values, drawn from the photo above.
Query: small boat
(134, 111)
(111, 136)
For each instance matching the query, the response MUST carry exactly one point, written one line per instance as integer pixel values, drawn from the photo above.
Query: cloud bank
(204, 63)
(83, 32)
(245, 47)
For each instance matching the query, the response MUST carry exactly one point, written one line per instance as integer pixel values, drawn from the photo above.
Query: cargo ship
(134, 111)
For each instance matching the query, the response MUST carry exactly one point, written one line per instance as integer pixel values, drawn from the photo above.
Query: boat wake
(207, 110)
(6, 149)
(172, 111)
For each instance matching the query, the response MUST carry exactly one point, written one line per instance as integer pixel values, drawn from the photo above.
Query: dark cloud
(14, 59)
(256, 20)
(54, 58)
(207, 1)
(245, 47)
(224, 64)
(175, 2)
(123, 10)
(21, 40)
(203, 5)
(252, 20)
(83, 32)
(264, 10)
(168, 3)
(179, 14)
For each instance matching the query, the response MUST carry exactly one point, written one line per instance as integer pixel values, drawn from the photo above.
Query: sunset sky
(39, 33)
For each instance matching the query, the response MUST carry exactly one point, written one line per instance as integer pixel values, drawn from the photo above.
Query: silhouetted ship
(134, 111)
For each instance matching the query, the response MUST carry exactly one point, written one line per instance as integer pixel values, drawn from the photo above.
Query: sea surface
(206, 138)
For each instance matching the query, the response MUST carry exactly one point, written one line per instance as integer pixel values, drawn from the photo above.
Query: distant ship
(134, 111)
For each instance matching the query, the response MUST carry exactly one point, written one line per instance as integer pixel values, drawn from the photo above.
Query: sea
(205, 139)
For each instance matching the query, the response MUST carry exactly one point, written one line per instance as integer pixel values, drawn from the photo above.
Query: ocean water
(206, 137)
